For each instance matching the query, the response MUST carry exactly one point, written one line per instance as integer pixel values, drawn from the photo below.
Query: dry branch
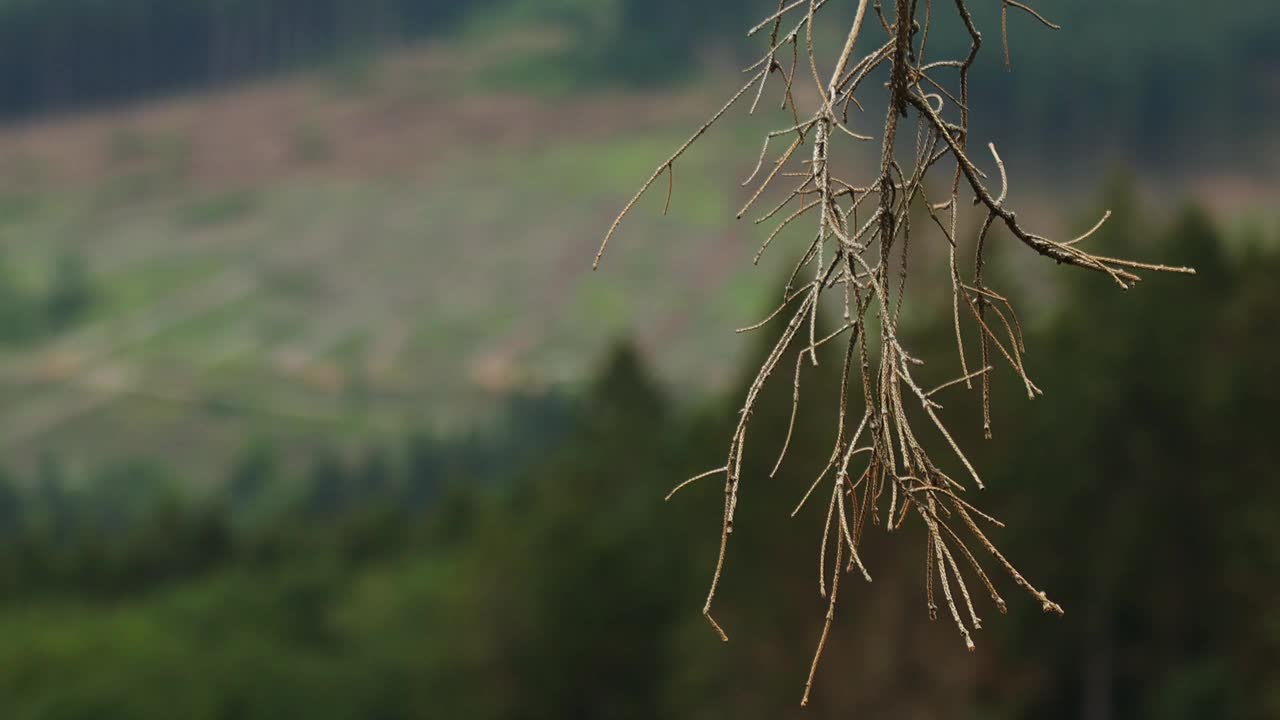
(856, 256)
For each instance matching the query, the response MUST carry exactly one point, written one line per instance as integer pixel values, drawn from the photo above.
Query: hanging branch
(853, 257)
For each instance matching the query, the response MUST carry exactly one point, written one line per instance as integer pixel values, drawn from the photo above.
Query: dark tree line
(62, 54)
(1158, 85)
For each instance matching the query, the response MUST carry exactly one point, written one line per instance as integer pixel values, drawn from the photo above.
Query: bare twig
(865, 260)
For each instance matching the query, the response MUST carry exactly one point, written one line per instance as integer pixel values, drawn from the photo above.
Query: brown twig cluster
(857, 255)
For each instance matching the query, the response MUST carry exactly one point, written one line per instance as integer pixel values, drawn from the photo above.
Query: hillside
(366, 249)
(346, 252)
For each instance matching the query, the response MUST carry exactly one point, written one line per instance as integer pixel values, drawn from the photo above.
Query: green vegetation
(31, 311)
(532, 570)
(308, 145)
(217, 209)
(71, 291)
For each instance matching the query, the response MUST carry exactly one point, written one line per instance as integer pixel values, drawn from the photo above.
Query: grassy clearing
(488, 262)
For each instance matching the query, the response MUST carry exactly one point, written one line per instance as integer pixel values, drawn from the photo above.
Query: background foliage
(535, 572)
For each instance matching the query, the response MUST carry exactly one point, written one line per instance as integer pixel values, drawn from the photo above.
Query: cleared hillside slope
(365, 250)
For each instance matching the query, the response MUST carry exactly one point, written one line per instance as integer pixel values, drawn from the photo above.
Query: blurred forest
(532, 570)
(68, 54)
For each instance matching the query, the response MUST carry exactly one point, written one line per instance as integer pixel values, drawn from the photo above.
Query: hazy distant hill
(376, 245)
(338, 255)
